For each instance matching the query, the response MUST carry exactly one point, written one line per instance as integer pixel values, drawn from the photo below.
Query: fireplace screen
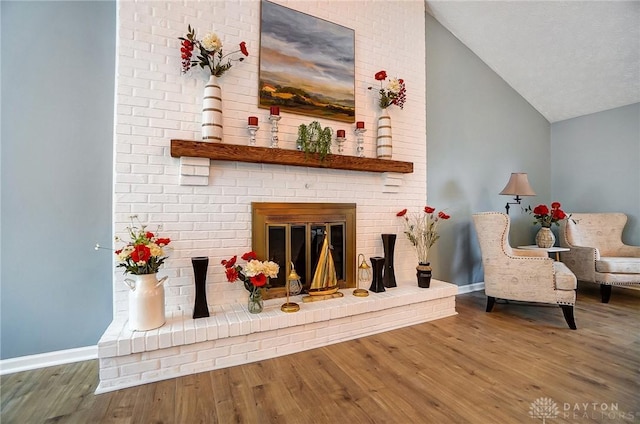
(293, 233)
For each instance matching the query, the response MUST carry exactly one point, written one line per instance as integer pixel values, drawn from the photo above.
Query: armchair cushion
(622, 265)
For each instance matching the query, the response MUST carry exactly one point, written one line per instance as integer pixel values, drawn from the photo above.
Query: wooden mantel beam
(233, 152)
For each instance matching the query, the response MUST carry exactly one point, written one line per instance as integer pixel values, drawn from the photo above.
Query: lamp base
(290, 307)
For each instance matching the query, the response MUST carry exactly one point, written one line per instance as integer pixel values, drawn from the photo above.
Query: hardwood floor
(476, 367)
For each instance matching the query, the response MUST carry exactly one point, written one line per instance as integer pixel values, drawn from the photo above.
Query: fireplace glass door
(297, 236)
(300, 244)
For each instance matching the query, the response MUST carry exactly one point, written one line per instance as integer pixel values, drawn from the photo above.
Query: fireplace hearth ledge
(232, 336)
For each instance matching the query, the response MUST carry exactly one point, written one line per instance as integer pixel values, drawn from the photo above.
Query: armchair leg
(567, 311)
(490, 302)
(605, 292)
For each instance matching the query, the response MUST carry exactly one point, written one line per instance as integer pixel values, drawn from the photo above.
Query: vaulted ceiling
(566, 58)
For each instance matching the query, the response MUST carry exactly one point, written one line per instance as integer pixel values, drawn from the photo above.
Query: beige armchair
(523, 275)
(597, 253)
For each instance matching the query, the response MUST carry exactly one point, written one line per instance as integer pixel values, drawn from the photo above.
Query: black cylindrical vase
(423, 273)
(200, 308)
(377, 265)
(388, 244)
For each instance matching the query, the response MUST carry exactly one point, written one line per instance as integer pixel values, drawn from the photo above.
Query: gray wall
(479, 131)
(58, 67)
(595, 165)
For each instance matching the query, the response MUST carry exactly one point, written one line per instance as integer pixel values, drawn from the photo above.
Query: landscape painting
(307, 65)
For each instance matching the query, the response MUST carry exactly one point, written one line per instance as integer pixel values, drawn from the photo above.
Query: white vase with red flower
(546, 217)
(254, 275)
(142, 256)
(394, 93)
(217, 63)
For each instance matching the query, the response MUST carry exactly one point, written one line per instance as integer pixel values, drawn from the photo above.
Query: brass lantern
(364, 277)
(292, 279)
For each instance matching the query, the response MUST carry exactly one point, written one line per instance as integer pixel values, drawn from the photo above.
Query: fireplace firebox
(293, 233)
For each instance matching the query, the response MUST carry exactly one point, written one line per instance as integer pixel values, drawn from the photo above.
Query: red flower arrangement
(546, 217)
(394, 94)
(210, 55)
(144, 254)
(421, 229)
(255, 273)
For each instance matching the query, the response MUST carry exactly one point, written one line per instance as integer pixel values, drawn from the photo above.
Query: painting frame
(306, 64)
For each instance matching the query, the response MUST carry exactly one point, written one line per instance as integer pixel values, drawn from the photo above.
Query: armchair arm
(582, 262)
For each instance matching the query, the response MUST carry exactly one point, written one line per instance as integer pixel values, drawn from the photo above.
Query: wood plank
(475, 367)
(252, 154)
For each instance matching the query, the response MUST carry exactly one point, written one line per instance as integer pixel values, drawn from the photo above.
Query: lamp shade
(518, 185)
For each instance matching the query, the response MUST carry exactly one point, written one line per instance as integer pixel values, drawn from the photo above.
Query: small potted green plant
(313, 138)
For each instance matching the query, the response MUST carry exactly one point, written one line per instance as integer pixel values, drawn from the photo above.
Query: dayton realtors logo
(546, 408)
(543, 408)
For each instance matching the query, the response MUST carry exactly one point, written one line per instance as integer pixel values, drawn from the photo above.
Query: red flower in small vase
(403, 212)
(381, 75)
(249, 256)
(558, 214)
(541, 210)
(259, 280)
(429, 209)
(232, 274)
(229, 263)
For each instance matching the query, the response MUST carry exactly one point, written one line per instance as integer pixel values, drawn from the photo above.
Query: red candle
(360, 124)
(274, 110)
(253, 120)
(340, 133)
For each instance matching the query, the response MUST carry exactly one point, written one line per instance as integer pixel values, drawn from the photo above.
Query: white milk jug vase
(146, 302)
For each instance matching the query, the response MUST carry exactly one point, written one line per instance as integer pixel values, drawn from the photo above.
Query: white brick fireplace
(156, 103)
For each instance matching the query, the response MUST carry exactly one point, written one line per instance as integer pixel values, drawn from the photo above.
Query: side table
(555, 250)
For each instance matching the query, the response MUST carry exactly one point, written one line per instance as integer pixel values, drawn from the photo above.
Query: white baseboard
(471, 288)
(49, 359)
